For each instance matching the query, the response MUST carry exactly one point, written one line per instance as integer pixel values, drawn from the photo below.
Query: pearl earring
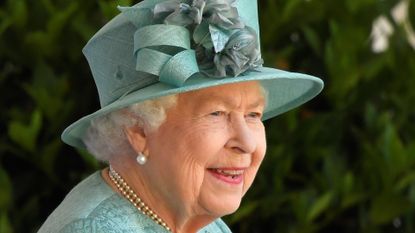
(141, 158)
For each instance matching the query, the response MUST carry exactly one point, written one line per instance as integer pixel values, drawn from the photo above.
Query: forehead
(250, 92)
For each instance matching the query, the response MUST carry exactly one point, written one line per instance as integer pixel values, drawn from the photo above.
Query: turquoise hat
(163, 47)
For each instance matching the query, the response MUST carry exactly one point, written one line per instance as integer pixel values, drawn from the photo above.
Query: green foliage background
(344, 162)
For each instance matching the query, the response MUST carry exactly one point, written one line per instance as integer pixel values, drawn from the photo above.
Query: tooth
(232, 173)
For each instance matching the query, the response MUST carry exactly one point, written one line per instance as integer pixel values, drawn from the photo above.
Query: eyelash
(250, 115)
(255, 115)
(217, 113)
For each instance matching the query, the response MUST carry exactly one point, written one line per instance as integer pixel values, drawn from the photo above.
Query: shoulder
(87, 206)
(112, 216)
(119, 224)
(92, 206)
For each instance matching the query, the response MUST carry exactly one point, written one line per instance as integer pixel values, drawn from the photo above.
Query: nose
(242, 140)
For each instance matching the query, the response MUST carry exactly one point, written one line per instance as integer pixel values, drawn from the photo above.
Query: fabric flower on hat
(223, 14)
(240, 54)
(178, 12)
(224, 45)
(220, 13)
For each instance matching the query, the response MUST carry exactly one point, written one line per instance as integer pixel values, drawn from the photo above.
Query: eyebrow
(229, 102)
(258, 103)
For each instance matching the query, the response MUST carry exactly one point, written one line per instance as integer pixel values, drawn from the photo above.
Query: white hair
(105, 137)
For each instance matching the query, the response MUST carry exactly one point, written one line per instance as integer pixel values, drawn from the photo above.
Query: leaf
(352, 199)
(387, 207)
(49, 154)
(411, 192)
(322, 203)
(405, 181)
(313, 40)
(5, 191)
(19, 12)
(291, 8)
(5, 22)
(348, 183)
(85, 30)
(48, 91)
(5, 226)
(60, 19)
(26, 135)
(393, 150)
(109, 9)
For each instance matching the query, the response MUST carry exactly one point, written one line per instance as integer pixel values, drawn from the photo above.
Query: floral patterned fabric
(92, 206)
(223, 44)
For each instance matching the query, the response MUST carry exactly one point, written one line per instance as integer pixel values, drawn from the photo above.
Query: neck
(180, 218)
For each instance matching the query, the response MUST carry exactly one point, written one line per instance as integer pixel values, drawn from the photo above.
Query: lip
(233, 180)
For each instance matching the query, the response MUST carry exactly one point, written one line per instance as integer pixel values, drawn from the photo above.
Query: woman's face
(206, 154)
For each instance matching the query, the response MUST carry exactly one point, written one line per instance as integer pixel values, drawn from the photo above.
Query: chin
(224, 207)
(219, 198)
(231, 210)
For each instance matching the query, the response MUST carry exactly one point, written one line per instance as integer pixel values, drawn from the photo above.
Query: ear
(137, 136)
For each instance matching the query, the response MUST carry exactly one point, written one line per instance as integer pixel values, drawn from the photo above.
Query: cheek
(251, 172)
(187, 151)
(180, 173)
(203, 141)
(257, 158)
(262, 148)
(189, 176)
(261, 144)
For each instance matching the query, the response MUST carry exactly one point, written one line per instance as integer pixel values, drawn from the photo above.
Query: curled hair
(105, 137)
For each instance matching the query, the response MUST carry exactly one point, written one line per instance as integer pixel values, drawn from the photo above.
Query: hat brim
(286, 90)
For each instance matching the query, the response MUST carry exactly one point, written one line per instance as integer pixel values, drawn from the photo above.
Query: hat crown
(111, 52)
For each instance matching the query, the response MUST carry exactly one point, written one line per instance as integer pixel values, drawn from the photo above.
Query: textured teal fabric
(93, 207)
(225, 46)
(170, 67)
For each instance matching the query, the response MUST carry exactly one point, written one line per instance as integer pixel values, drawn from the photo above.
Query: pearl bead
(141, 159)
(129, 194)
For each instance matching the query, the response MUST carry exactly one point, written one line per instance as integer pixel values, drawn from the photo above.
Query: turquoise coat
(92, 206)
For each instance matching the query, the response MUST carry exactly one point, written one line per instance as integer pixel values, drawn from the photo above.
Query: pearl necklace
(128, 193)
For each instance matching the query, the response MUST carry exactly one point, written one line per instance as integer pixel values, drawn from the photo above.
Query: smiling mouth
(231, 176)
(229, 173)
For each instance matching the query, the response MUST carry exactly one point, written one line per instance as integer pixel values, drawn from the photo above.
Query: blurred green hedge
(344, 162)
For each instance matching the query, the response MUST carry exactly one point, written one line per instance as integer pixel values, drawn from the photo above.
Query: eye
(217, 113)
(254, 115)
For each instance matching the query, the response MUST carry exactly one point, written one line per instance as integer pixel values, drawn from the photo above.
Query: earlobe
(137, 138)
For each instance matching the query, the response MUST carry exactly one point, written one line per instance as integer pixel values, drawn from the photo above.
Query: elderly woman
(183, 95)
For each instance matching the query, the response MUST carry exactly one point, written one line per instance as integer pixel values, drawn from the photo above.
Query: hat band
(176, 39)
(152, 45)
